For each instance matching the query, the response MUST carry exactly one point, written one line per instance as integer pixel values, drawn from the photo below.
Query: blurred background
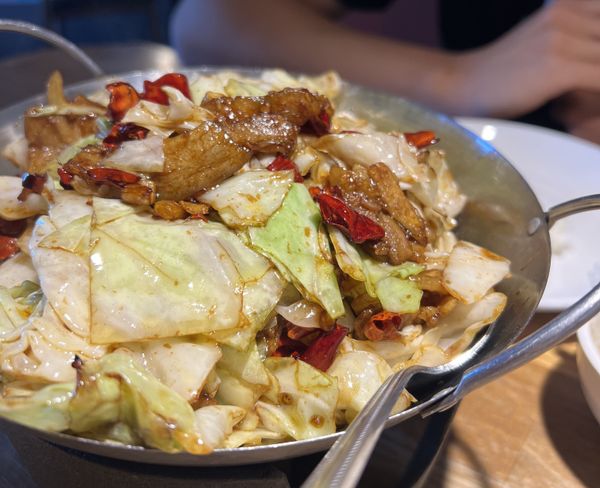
(530, 60)
(89, 22)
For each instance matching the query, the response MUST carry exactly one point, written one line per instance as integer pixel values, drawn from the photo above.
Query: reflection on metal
(591, 202)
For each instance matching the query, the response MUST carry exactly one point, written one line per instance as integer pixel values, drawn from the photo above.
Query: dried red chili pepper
(359, 228)
(314, 191)
(281, 163)
(124, 132)
(318, 126)
(321, 352)
(8, 247)
(122, 97)
(153, 89)
(12, 228)
(65, 178)
(31, 184)
(383, 326)
(288, 347)
(421, 139)
(112, 175)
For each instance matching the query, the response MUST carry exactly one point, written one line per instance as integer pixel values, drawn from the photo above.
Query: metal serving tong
(51, 38)
(343, 465)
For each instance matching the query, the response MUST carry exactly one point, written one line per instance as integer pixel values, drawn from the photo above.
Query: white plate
(558, 167)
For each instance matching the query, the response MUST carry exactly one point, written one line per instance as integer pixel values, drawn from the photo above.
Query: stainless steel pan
(503, 215)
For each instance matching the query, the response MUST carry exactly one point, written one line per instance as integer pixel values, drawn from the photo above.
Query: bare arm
(296, 36)
(553, 52)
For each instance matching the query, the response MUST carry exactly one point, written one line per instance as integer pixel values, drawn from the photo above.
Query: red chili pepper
(65, 178)
(321, 352)
(318, 126)
(359, 228)
(153, 89)
(314, 191)
(383, 326)
(122, 97)
(288, 347)
(8, 247)
(112, 175)
(281, 163)
(124, 132)
(12, 228)
(421, 139)
(31, 184)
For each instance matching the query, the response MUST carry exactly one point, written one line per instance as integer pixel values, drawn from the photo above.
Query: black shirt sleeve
(365, 4)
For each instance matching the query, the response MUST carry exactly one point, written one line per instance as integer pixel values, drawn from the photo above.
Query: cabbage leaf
(13, 209)
(59, 252)
(244, 377)
(249, 198)
(293, 239)
(359, 375)
(386, 282)
(182, 364)
(45, 409)
(144, 155)
(216, 422)
(16, 270)
(152, 279)
(472, 271)
(306, 403)
(117, 389)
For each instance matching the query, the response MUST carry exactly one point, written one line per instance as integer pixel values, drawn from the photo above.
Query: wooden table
(531, 428)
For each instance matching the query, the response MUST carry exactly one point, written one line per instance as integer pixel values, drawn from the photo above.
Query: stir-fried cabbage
(305, 405)
(182, 364)
(180, 113)
(293, 239)
(244, 377)
(438, 191)
(472, 270)
(375, 147)
(233, 84)
(46, 409)
(117, 389)
(59, 253)
(249, 198)
(359, 374)
(258, 301)
(216, 422)
(143, 155)
(386, 282)
(41, 349)
(253, 315)
(190, 265)
(13, 209)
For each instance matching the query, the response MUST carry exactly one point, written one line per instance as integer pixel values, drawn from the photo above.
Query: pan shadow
(437, 477)
(570, 424)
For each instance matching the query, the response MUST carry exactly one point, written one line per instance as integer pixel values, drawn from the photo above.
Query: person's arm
(294, 36)
(556, 50)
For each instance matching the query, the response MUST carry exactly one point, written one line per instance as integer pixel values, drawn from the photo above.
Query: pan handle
(551, 334)
(51, 38)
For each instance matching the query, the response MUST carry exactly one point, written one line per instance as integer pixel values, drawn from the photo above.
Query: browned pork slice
(375, 191)
(296, 105)
(396, 203)
(197, 160)
(48, 135)
(264, 133)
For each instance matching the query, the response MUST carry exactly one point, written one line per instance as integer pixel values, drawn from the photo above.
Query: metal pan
(498, 216)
